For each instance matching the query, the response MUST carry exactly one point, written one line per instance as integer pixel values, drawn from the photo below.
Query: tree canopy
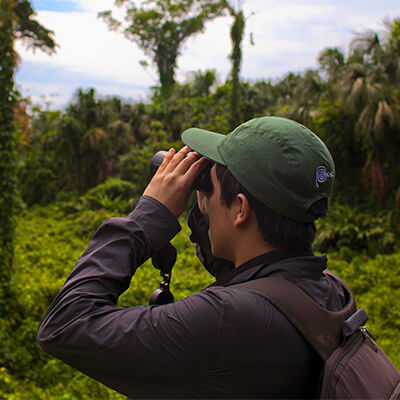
(160, 28)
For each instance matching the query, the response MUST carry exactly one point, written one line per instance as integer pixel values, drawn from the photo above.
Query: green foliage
(354, 110)
(29, 30)
(134, 166)
(114, 188)
(49, 241)
(365, 86)
(361, 247)
(351, 232)
(77, 149)
(237, 32)
(8, 194)
(106, 145)
(89, 138)
(375, 282)
(15, 23)
(38, 182)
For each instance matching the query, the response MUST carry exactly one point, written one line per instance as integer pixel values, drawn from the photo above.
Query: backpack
(355, 367)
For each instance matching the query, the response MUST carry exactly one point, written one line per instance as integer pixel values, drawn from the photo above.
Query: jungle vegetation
(63, 172)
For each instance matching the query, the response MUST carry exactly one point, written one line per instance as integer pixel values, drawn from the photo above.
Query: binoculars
(202, 183)
(165, 258)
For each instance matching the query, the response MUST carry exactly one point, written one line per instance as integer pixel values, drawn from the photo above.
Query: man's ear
(243, 210)
(202, 201)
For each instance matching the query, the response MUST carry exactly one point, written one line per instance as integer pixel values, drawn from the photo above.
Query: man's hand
(172, 183)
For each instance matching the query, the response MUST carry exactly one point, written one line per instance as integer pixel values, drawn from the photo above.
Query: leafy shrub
(39, 187)
(352, 232)
(135, 166)
(113, 188)
(375, 283)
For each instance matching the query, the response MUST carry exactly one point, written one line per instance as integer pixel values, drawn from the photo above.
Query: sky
(288, 35)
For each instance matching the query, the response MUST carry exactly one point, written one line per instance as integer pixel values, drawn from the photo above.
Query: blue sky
(288, 36)
(56, 5)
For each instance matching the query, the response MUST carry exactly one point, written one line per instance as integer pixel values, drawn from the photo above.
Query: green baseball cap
(279, 161)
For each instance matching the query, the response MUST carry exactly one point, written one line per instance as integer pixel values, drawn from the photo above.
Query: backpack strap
(320, 327)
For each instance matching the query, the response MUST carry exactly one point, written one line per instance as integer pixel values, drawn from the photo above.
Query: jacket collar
(276, 263)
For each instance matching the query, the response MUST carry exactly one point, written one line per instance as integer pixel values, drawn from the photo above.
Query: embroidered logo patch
(322, 175)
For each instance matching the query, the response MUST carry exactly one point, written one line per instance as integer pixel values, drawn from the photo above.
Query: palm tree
(366, 84)
(89, 138)
(306, 97)
(367, 89)
(331, 62)
(299, 96)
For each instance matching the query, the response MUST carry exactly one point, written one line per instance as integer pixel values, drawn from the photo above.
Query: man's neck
(247, 253)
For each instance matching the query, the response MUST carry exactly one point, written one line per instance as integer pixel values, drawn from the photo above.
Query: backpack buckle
(354, 322)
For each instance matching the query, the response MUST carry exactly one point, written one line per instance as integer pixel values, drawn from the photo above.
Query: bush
(135, 166)
(351, 232)
(113, 188)
(375, 283)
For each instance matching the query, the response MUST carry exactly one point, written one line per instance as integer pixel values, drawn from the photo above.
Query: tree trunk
(8, 192)
(236, 57)
(374, 178)
(166, 64)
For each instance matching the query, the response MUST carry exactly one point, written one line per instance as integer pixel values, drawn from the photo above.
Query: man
(271, 178)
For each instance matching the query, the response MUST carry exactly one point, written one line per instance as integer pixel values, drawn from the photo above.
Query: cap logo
(322, 175)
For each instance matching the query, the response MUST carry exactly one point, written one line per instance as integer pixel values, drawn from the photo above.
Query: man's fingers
(168, 157)
(173, 182)
(186, 163)
(178, 157)
(180, 162)
(196, 168)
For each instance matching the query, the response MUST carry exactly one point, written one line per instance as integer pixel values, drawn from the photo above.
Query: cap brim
(204, 142)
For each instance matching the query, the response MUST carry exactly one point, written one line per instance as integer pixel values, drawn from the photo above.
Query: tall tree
(300, 95)
(160, 27)
(367, 85)
(237, 31)
(331, 62)
(16, 22)
(89, 138)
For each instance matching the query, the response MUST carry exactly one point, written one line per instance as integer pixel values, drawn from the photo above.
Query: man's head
(280, 162)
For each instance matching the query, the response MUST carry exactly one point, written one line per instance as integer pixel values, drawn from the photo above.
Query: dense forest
(63, 172)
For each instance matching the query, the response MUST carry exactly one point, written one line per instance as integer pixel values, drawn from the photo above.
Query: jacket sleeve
(143, 351)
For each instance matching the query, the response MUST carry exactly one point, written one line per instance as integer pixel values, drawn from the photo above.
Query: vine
(237, 32)
(8, 191)
(15, 22)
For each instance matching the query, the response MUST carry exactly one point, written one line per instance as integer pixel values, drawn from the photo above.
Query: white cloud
(88, 47)
(288, 35)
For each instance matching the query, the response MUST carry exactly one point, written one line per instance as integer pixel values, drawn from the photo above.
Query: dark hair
(276, 229)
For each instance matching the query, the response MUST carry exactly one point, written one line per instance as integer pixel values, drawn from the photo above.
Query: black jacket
(222, 342)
